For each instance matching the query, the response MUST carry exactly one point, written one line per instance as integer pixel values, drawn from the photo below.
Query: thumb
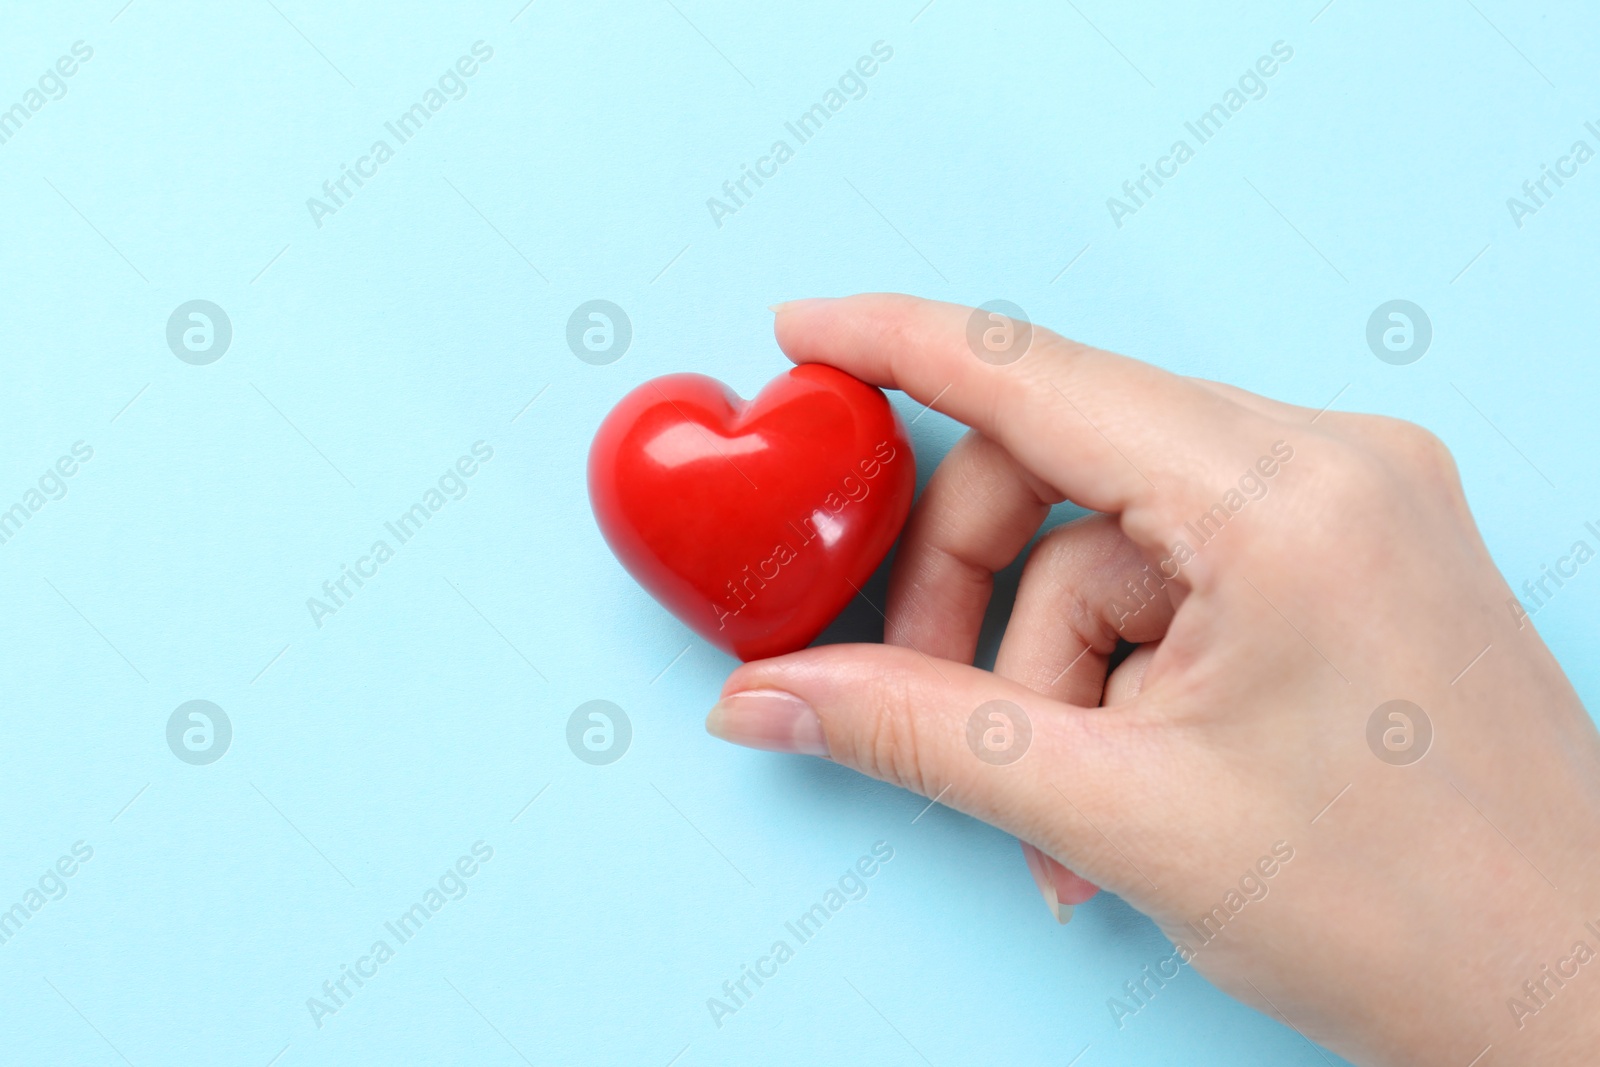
(978, 743)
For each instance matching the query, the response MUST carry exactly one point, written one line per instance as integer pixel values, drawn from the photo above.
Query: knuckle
(1415, 453)
(1430, 457)
(1369, 483)
(1061, 563)
(892, 747)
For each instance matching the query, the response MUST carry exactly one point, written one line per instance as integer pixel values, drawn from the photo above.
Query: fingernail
(768, 719)
(795, 305)
(1071, 888)
(1041, 878)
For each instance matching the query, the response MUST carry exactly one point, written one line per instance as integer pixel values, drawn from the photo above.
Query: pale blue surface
(377, 749)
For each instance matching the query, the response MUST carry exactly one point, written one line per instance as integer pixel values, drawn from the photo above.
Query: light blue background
(370, 352)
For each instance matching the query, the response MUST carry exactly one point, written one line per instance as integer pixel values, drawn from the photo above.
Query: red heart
(754, 523)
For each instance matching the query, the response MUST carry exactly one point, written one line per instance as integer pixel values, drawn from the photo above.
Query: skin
(1420, 895)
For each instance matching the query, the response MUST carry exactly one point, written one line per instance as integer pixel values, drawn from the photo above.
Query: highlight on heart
(822, 522)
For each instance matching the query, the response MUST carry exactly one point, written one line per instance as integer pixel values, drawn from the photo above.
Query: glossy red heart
(754, 523)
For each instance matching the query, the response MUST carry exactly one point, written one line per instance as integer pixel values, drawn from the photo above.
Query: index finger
(1108, 432)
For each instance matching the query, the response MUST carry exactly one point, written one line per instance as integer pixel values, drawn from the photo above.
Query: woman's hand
(1383, 877)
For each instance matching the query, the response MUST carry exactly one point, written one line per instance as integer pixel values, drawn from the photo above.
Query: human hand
(1284, 573)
